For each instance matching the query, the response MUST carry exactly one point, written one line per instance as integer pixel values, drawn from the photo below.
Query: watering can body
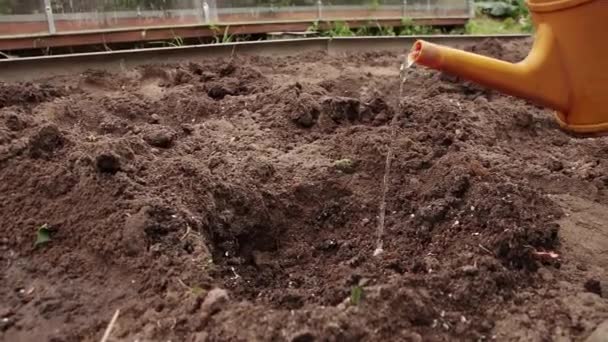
(566, 69)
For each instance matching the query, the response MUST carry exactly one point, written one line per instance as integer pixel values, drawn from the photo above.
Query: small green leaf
(355, 295)
(43, 235)
(345, 165)
(196, 290)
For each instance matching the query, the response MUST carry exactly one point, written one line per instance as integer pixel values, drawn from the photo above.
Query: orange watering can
(566, 70)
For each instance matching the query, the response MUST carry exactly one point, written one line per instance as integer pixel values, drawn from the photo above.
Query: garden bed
(237, 200)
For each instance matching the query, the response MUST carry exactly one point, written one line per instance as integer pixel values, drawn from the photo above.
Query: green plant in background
(500, 16)
(405, 21)
(117, 5)
(314, 27)
(526, 25)
(524, 18)
(374, 5)
(485, 25)
(373, 28)
(226, 37)
(274, 3)
(522, 8)
(5, 7)
(339, 29)
(336, 29)
(409, 28)
(177, 41)
(503, 8)
(385, 30)
(364, 31)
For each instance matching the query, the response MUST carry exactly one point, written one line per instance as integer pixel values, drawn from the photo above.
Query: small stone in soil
(262, 259)
(355, 261)
(154, 118)
(6, 323)
(469, 269)
(328, 245)
(594, 286)
(215, 300)
(554, 165)
(545, 274)
(162, 138)
(413, 337)
(303, 336)
(188, 129)
(524, 119)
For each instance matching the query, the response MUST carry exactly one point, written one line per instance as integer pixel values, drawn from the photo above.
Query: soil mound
(28, 93)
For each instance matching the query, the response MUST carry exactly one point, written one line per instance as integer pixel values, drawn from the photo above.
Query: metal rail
(32, 68)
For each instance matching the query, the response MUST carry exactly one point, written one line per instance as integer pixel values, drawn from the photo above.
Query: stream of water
(389, 158)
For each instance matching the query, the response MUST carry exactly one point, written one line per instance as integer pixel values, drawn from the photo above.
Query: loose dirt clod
(599, 334)
(304, 336)
(214, 301)
(108, 163)
(15, 122)
(27, 93)
(595, 286)
(218, 91)
(304, 110)
(161, 137)
(46, 141)
(341, 108)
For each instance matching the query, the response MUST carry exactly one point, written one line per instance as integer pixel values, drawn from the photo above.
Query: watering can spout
(565, 70)
(539, 78)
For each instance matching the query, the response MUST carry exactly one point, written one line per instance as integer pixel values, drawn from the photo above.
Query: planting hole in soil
(242, 199)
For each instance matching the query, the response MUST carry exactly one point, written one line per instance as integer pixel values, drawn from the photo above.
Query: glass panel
(362, 9)
(231, 11)
(21, 17)
(82, 15)
(436, 8)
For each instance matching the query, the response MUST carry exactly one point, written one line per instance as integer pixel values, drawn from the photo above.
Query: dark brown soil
(207, 203)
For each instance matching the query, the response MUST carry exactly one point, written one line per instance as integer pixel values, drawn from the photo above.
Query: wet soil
(237, 200)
